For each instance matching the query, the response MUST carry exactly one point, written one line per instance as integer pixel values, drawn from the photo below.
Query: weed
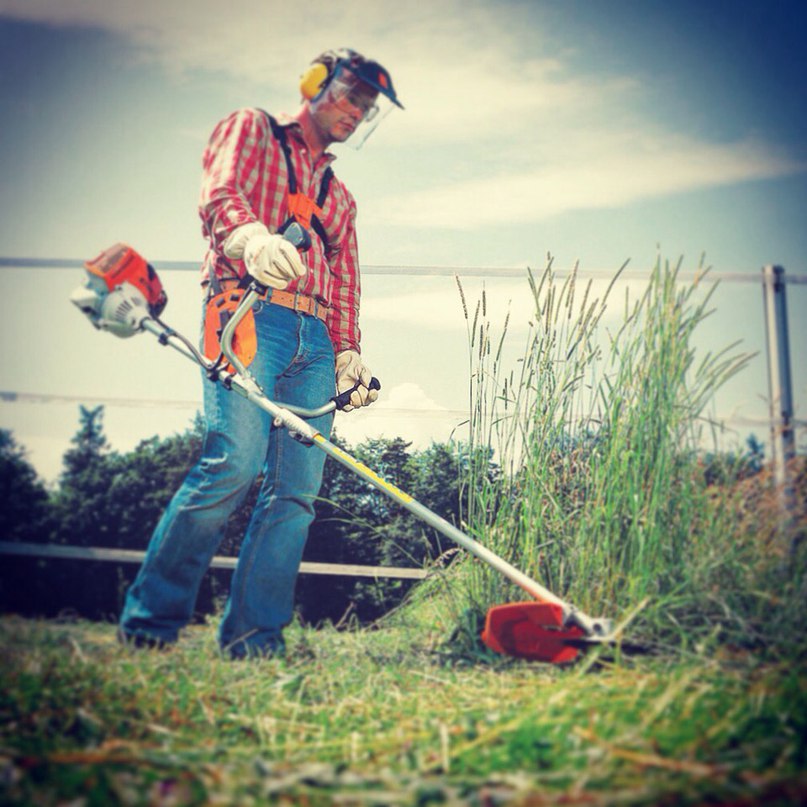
(602, 492)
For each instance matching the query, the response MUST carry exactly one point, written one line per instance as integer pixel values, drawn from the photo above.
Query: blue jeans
(294, 364)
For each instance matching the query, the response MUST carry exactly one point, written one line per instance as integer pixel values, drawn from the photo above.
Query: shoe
(142, 641)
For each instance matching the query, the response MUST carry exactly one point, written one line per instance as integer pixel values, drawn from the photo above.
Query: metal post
(780, 384)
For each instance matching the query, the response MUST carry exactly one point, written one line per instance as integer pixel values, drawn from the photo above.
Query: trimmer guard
(531, 630)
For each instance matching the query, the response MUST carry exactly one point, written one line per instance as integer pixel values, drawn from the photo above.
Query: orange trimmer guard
(531, 630)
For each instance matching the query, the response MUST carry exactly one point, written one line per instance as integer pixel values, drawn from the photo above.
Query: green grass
(600, 428)
(603, 494)
(382, 717)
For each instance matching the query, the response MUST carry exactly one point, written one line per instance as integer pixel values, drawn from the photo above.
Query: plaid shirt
(245, 179)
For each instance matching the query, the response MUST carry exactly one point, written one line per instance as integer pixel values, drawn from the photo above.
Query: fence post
(780, 384)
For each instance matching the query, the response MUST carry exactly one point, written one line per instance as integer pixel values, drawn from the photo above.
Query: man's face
(343, 106)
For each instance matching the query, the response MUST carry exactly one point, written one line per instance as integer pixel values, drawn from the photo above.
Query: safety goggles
(353, 97)
(362, 100)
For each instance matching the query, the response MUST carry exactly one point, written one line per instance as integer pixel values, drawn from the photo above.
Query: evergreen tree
(25, 511)
(89, 467)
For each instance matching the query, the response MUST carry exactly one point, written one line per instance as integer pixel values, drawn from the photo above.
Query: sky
(597, 132)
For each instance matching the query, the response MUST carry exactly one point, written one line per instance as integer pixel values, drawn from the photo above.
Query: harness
(221, 304)
(302, 209)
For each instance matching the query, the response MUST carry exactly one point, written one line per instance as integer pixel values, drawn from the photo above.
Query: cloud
(434, 306)
(409, 396)
(438, 306)
(464, 68)
(514, 132)
(609, 171)
(251, 36)
(405, 410)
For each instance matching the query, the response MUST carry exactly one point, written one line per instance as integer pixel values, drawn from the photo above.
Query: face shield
(363, 92)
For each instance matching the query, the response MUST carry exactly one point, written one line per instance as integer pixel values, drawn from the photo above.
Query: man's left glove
(351, 370)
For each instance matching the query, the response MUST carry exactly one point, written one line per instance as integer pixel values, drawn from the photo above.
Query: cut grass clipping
(371, 717)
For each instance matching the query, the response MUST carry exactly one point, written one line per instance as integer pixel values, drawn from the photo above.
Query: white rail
(219, 562)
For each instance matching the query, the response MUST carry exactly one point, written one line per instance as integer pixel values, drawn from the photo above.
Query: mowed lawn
(388, 717)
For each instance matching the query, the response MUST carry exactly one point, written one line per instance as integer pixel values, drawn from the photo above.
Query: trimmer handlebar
(255, 292)
(343, 399)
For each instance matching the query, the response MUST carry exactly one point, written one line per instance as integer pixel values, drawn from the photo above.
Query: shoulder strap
(319, 229)
(323, 188)
(280, 135)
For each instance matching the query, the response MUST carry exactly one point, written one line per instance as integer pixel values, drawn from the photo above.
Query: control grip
(343, 399)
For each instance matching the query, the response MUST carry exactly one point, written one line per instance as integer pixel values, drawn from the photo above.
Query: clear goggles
(354, 97)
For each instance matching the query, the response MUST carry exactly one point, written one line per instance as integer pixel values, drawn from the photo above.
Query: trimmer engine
(122, 289)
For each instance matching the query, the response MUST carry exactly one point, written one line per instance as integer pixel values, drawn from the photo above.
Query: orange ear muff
(312, 80)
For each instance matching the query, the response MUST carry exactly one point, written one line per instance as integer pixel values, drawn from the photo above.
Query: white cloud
(440, 308)
(463, 68)
(608, 172)
(433, 307)
(522, 136)
(409, 396)
(406, 411)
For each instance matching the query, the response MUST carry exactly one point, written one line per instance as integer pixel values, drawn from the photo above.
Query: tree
(357, 524)
(114, 500)
(24, 514)
(88, 469)
(107, 499)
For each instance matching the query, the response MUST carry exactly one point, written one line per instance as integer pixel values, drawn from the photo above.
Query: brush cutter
(123, 295)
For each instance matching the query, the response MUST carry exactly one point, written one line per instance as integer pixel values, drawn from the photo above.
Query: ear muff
(312, 80)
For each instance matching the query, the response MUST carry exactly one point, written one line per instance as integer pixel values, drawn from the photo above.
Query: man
(260, 174)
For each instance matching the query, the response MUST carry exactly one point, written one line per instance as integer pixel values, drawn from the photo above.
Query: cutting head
(531, 630)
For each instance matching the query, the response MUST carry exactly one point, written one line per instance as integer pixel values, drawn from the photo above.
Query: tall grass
(599, 429)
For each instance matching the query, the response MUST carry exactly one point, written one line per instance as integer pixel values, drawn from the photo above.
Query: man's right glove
(269, 258)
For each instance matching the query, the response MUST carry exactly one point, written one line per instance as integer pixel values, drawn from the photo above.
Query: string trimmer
(123, 295)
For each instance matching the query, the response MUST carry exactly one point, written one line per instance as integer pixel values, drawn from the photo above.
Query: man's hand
(272, 260)
(233, 246)
(350, 370)
(269, 258)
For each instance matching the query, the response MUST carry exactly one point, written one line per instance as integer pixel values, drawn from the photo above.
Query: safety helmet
(349, 79)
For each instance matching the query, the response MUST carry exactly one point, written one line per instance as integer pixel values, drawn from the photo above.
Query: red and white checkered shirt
(245, 179)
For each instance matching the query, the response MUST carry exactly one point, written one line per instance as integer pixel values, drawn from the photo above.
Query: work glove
(351, 370)
(273, 261)
(233, 246)
(269, 258)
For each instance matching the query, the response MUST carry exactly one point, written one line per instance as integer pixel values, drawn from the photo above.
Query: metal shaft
(529, 585)
(592, 627)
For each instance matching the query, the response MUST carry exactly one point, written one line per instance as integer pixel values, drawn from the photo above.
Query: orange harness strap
(302, 208)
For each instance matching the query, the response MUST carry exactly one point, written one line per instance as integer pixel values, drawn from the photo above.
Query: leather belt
(287, 299)
(297, 302)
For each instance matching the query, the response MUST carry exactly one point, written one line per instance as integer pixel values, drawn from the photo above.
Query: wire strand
(490, 272)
